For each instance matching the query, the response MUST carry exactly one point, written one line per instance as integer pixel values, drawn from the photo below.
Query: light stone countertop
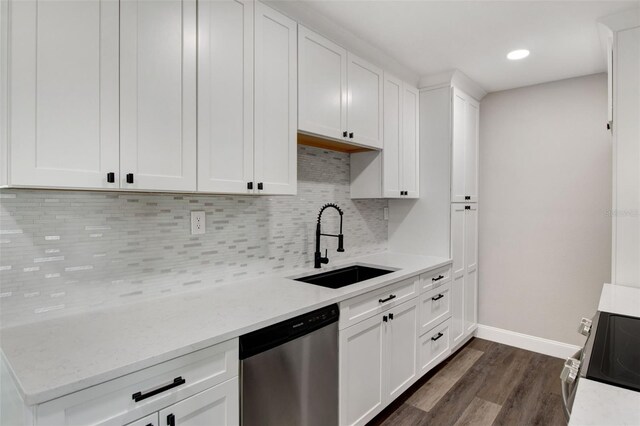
(600, 404)
(53, 358)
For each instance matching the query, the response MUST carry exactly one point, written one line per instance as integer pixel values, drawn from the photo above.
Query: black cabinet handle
(437, 336)
(390, 316)
(391, 296)
(384, 318)
(139, 396)
(438, 297)
(438, 278)
(129, 177)
(608, 126)
(351, 135)
(467, 197)
(260, 186)
(249, 185)
(111, 177)
(403, 192)
(171, 420)
(344, 134)
(467, 207)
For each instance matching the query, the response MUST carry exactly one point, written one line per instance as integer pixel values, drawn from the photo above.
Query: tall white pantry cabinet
(443, 221)
(149, 95)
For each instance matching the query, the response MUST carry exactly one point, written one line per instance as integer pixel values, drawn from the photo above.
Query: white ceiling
(430, 37)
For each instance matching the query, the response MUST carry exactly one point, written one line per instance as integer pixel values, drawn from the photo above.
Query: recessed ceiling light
(514, 55)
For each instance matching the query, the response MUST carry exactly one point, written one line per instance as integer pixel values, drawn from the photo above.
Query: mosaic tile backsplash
(64, 252)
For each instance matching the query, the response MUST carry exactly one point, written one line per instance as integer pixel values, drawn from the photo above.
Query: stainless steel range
(611, 355)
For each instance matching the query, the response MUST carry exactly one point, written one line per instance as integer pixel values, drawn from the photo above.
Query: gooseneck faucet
(318, 259)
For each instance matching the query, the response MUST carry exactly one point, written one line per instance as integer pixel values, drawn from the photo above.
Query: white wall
(545, 189)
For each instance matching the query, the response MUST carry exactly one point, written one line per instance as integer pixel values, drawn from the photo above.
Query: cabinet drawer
(434, 346)
(114, 402)
(435, 278)
(435, 307)
(366, 305)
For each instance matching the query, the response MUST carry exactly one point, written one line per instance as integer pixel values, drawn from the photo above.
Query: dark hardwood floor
(484, 383)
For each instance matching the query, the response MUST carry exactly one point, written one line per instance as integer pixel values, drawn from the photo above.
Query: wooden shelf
(332, 145)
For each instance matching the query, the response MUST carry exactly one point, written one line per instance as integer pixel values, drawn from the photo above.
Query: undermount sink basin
(344, 276)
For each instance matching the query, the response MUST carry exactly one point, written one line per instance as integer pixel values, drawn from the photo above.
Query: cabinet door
(322, 82)
(458, 273)
(364, 102)
(158, 94)
(225, 96)
(150, 420)
(361, 371)
(219, 405)
(276, 102)
(63, 93)
(410, 167)
(471, 268)
(458, 146)
(472, 120)
(392, 136)
(401, 347)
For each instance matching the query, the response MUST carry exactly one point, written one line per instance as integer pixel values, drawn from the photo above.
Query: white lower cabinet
(434, 347)
(464, 285)
(150, 420)
(377, 362)
(218, 405)
(200, 388)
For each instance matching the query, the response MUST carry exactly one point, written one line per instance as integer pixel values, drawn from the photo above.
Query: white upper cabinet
(394, 172)
(364, 102)
(63, 93)
(392, 153)
(158, 94)
(322, 82)
(276, 102)
(340, 94)
(410, 157)
(464, 179)
(225, 96)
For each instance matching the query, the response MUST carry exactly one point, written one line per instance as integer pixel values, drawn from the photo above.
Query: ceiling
(430, 37)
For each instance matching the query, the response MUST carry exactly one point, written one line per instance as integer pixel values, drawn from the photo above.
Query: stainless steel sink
(344, 276)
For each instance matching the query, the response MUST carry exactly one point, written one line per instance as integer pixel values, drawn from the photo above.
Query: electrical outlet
(385, 213)
(197, 223)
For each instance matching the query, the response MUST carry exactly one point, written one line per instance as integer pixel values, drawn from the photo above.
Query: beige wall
(545, 188)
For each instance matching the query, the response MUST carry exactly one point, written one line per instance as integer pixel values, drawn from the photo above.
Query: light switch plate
(197, 223)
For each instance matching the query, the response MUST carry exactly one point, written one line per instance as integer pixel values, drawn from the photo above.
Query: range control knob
(570, 370)
(585, 326)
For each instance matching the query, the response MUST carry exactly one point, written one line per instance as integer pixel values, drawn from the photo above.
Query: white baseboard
(525, 341)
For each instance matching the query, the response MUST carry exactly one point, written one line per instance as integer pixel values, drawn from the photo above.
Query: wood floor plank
(525, 402)
(504, 373)
(465, 390)
(428, 395)
(404, 415)
(479, 413)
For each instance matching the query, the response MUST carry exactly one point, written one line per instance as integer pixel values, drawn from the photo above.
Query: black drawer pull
(438, 297)
(139, 396)
(437, 336)
(171, 420)
(392, 296)
(438, 278)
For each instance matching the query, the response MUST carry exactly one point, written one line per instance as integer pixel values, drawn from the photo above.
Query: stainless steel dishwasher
(289, 372)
